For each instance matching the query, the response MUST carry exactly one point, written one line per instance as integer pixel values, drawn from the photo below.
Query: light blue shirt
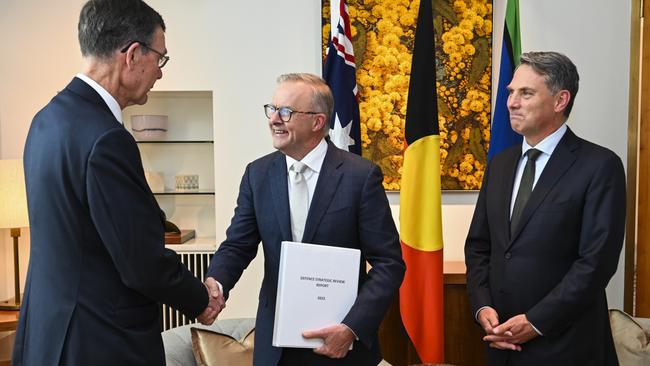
(546, 146)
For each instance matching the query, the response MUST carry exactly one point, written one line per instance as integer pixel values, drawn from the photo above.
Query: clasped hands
(216, 302)
(509, 335)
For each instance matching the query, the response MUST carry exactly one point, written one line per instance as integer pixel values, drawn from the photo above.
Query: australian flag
(340, 74)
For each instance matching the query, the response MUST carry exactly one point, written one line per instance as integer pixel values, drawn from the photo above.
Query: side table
(8, 320)
(8, 323)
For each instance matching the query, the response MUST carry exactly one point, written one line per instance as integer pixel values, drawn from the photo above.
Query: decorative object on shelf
(187, 182)
(13, 215)
(174, 235)
(147, 127)
(156, 181)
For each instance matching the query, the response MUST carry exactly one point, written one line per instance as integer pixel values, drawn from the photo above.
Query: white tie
(298, 200)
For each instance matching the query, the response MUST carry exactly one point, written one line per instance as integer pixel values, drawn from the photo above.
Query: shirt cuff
(355, 334)
(535, 329)
(479, 311)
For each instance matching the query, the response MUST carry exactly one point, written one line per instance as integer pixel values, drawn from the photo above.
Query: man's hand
(216, 302)
(489, 319)
(509, 335)
(337, 340)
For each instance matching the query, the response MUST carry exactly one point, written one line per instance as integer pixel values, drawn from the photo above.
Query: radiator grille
(197, 262)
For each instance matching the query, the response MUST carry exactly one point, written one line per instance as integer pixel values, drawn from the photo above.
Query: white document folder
(317, 286)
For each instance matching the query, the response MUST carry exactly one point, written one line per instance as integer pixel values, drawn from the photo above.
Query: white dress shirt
(314, 161)
(106, 96)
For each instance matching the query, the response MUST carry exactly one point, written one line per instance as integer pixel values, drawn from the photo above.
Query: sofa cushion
(631, 340)
(215, 349)
(178, 341)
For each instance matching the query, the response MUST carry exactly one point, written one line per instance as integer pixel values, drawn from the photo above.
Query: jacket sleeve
(128, 221)
(242, 240)
(477, 253)
(381, 248)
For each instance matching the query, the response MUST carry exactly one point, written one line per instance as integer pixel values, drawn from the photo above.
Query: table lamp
(13, 215)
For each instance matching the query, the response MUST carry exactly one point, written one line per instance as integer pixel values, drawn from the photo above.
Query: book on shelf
(179, 238)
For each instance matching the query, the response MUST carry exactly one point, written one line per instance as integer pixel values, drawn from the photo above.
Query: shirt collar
(106, 96)
(548, 144)
(314, 159)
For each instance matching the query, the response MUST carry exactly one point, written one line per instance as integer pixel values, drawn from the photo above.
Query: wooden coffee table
(8, 320)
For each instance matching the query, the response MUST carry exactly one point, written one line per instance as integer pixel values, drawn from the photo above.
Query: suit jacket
(557, 264)
(98, 265)
(349, 209)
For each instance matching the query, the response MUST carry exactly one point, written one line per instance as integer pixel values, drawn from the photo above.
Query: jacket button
(508, 255)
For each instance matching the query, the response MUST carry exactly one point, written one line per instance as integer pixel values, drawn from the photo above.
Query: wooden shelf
(199, 192)
(176, 142)
(200, 244)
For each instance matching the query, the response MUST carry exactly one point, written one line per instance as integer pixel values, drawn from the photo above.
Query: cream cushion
(631, 339)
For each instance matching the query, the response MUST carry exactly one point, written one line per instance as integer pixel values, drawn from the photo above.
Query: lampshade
(13, 200)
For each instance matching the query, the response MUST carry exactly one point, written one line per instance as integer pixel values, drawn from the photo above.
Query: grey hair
(558, 71)
(106, 26)
(322, 98)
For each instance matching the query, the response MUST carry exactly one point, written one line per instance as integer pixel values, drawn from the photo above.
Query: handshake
(216, 303)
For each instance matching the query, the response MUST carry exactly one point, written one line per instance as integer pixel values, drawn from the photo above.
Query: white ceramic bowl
(149, 127)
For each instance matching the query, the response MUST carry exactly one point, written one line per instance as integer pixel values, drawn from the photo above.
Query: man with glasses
(98, 268)
(346, 206)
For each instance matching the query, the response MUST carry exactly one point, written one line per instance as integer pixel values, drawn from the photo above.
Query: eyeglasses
(162, 60)
(284, 112)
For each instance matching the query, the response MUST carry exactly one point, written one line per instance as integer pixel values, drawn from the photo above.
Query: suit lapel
(561, 160)
(328, 181)
(280, 194)
(510, 170)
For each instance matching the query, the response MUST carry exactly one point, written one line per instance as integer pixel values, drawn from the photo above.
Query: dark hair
(558, 72)
(108, 25)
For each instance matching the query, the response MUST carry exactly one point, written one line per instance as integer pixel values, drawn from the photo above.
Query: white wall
(238, 48)
(599, 45)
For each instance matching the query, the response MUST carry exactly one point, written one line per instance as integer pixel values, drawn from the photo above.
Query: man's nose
(513, 101)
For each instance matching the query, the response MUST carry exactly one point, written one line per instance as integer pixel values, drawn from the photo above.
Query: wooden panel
(463, 343)
(632, 157)
(643, 230)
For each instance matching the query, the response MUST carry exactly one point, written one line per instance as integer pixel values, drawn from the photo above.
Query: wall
(237, 52)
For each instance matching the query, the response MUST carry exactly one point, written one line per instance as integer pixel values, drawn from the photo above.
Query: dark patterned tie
(525, 189)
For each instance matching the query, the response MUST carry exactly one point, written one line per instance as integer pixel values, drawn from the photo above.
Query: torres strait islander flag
(502, 135)
(421, 301)
(340, 74)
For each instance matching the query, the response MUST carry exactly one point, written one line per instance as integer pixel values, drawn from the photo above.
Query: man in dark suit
(547, 230)
(98, 265)
(347, 207)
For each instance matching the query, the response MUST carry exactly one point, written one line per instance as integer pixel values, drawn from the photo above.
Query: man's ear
(319, 122)
(131, 56)
(562, 101)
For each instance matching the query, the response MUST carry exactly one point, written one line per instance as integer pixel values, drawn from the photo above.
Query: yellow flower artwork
(383, 33)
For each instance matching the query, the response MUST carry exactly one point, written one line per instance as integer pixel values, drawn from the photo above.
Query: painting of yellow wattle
(383, 33)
